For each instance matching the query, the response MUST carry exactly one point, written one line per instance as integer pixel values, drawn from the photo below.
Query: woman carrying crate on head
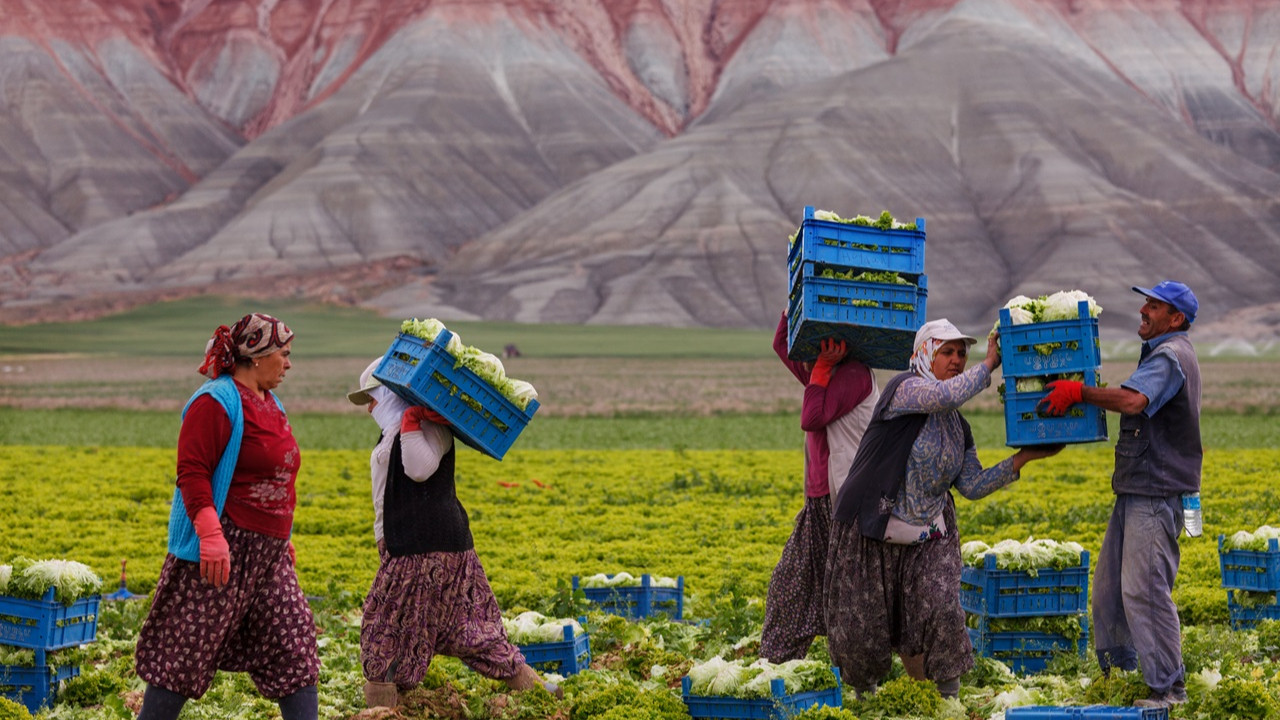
(839, 393)
(893, 566)
(430, 594)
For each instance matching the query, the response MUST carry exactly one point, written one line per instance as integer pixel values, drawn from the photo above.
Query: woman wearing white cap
(430, 595)
(893, 564)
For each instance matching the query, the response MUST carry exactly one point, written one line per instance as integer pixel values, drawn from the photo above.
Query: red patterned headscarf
(255, 335)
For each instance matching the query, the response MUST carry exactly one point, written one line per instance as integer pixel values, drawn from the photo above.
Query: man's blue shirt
(1158, 376)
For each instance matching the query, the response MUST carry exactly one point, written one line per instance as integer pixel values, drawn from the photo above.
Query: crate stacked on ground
(858, 283)
(1251, 578)
(425, 373)
(43, 626)
(640, 599)
(1085, 712)
(1036, 353)
(1009, 612)
(568, 654)
(757, 690)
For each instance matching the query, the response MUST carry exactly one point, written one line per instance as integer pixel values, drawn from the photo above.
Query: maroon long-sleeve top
(262, 493)
(850, 384)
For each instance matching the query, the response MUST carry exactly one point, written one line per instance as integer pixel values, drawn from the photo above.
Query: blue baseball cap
(1176, 294)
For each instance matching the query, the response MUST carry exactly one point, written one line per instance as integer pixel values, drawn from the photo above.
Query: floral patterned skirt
(258, 623)
(428, 604)
(883, 597)
(793, 611)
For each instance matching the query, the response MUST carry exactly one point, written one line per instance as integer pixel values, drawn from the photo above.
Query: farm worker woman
(228, 597)
(893, 568)
(1158, 459)
(430, 594)
(839, 394)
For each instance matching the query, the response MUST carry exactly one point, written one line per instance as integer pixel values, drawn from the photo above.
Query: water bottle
(1192, 518)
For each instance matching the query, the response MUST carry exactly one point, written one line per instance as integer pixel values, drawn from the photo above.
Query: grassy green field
(676, 452)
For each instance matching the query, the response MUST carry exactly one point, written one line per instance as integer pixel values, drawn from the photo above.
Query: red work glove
(833, 351)
(1062, 395)
(215, 555)
(413, 418)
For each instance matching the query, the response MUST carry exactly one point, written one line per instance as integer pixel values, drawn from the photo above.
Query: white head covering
(931, 336)
(367, 383)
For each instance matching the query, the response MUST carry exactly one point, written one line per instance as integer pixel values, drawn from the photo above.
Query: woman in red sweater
(228, 597)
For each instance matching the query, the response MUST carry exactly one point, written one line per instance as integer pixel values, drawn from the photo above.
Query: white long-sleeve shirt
(420, 454)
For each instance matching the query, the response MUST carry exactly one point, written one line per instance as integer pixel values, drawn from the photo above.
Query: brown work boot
(381, 694)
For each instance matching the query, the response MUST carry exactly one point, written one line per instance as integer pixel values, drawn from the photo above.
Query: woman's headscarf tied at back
(931, 336)
(255, 335)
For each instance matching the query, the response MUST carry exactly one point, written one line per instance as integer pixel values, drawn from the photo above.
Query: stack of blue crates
(1078, 352)
(566, 657)
(638, 601)
(1251, 571)
(423, 373)
(43, 625)
(878, 321)
(778, 707)
(987, 593)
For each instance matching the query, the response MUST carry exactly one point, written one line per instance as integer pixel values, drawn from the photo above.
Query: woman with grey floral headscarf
(228, 597)
(893, 563)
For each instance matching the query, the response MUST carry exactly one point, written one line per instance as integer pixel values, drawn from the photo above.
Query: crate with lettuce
(1043, 339)
(720, 688)
(559, 645)
(428, 364)
(1024, 601)
(634, 597)
(1250, 560)
(857, 279)
(46, 606)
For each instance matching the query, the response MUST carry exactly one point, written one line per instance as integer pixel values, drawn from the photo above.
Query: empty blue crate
(1250, 569)
(567, 657)
(424, 374)
(1050, 348)
(878, 321)
(1085, 712)
(35, 687)
(1007, 593)
(1026, 652)
(46, 624)
(778, 707)
(638, 601)
(1247, 616)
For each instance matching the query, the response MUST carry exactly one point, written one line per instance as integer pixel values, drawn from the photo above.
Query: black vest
(423, 517)
(879, 469)
(1161, 455)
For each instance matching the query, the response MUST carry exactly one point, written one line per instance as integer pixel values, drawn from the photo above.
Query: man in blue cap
(1158, 458)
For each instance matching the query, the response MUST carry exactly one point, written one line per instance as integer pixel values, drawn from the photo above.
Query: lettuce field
(717, 518)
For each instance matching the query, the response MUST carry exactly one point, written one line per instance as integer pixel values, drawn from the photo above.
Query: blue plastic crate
(46, 624)
(1080, 352)
(1006, 593)
(1026, 652)
(424, 374)
(35, 687)
(1085, 712)
(569, 656)
(779, 707)
(858, 246)
(638, 601)
(1245, 618)
(879, 336)
(1250, 569)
